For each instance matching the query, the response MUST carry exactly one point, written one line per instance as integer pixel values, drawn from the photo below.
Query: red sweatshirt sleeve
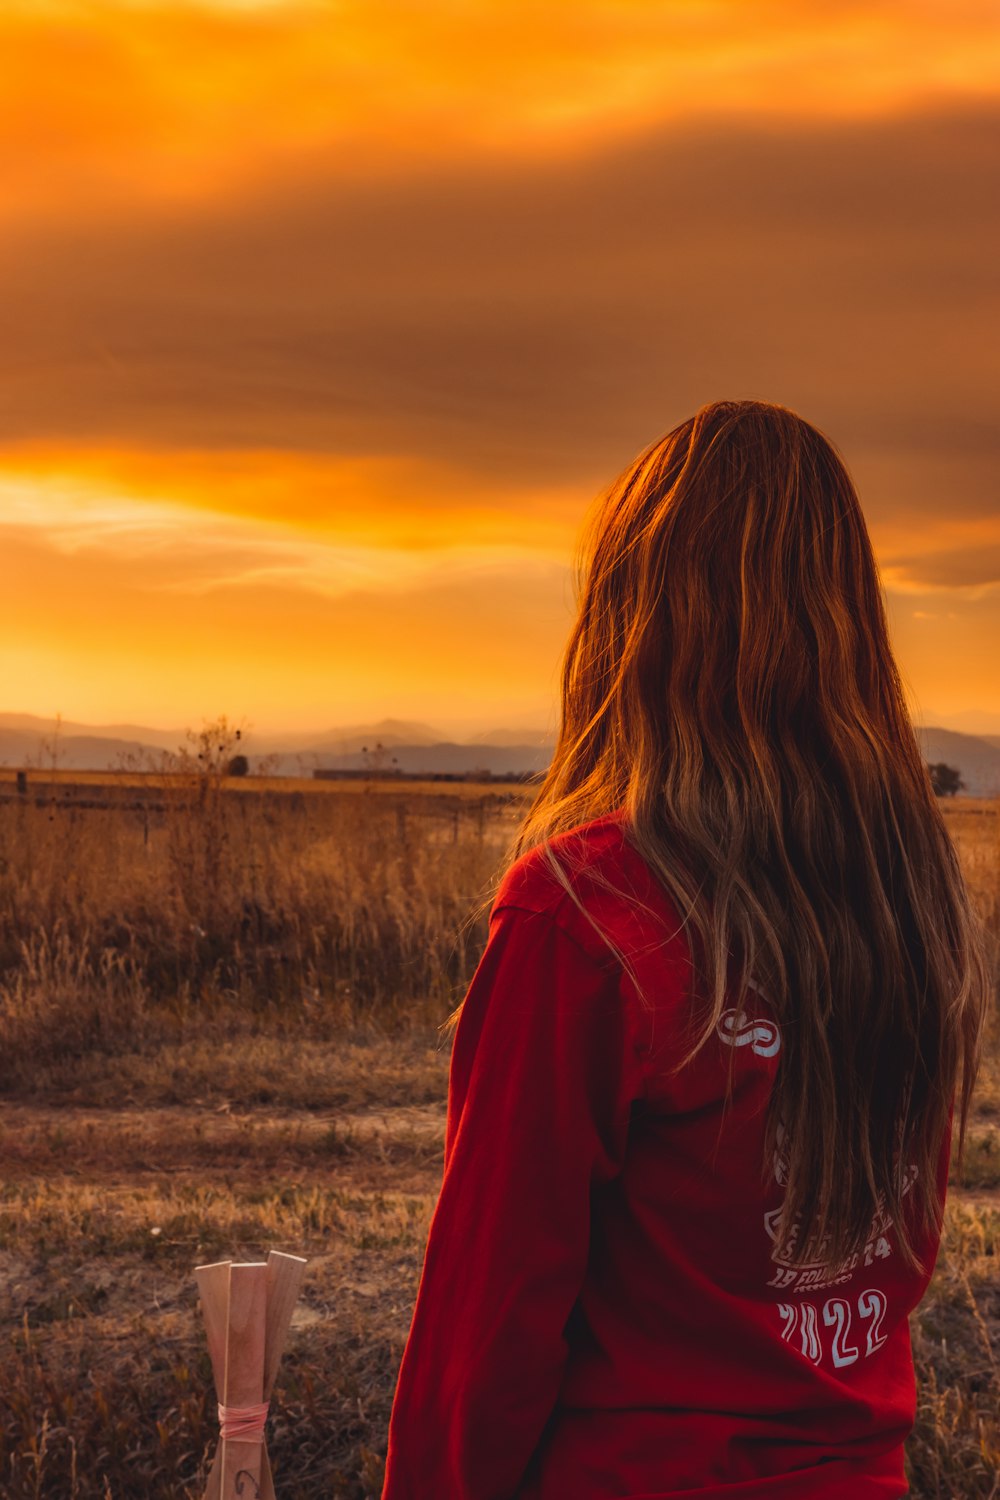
(544, 1068)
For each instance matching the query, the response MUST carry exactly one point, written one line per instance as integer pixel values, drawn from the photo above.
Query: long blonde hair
(729, 682)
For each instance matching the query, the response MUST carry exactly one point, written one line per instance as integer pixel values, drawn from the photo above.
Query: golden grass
(40, 781)
(124, 929)
(954, 1452)
(218, 1034)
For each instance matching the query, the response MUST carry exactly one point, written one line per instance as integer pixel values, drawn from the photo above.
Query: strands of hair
(729, 684)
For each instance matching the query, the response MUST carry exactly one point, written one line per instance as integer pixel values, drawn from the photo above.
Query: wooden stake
(244, 1386)
(284, 1278)
(247, 1311)
(213, 1289)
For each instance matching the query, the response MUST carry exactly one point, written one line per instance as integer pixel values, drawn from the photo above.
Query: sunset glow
(325, 322)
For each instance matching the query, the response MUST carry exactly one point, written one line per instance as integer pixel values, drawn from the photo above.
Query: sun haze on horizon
(325, 323)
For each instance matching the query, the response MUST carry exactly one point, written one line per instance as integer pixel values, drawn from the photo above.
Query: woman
(702, 1082)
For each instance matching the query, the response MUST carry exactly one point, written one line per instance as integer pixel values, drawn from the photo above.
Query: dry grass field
(218, 1034)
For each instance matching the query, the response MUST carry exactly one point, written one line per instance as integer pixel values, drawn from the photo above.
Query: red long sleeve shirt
(602, 1309)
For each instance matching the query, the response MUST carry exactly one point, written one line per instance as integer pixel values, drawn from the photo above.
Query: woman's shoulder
(589, 880)
(532, 879)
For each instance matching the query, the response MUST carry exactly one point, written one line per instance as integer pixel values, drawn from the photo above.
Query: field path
(128, 1153)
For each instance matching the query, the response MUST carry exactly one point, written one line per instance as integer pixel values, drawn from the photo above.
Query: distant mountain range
(27, 740)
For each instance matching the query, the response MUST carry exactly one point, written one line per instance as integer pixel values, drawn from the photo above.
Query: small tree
(946, 780)
(238, 766)
(210, 750)
(201, 850)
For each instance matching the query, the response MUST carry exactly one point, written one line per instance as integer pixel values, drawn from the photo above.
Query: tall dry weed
(298, 909)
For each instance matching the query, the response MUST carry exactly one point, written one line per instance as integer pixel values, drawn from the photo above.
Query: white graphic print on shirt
(737, 1029)
(804, 1323)
(815, 1273)
(802, 1326)
(844, 1328)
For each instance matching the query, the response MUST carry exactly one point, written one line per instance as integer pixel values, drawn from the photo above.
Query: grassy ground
(106, 1209)
(167, 1103)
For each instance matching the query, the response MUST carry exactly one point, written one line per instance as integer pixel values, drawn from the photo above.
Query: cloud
(185, 550)
(188, 632)
(974, 571)
(949, 554)
(323, 322)
(531, 326)
(152, 101)
(375, 499)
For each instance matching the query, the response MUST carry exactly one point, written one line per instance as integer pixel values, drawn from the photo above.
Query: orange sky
(324, 322)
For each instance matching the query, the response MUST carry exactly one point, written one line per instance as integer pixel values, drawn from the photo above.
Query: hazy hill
(348, 739)
(22, 735)
(976, 756)
(512, 737)
(75, 752)
(415, 746)
(28, 740)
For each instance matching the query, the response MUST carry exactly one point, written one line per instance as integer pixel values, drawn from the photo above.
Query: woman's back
(602, 1310)
(698, 1360)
